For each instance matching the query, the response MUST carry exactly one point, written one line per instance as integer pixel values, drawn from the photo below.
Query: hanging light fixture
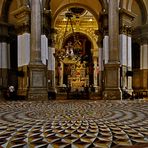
(71, 51)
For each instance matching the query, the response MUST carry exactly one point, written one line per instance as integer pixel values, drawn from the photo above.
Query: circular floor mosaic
(74, 124)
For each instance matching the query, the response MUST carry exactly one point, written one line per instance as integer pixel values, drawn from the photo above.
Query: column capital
(103, 17)
(127, 30)
(4, 34)
(46, 17)
(22, 16)
(99, 33)
(140, 34)
(144, 40)
(51, 36)
(126, 20)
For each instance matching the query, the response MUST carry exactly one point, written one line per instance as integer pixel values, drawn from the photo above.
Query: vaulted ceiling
(139, 7)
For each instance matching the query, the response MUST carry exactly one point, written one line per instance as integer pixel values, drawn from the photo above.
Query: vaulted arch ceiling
(126, 4)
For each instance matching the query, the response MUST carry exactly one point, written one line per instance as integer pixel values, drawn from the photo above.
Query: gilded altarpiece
(78, 77)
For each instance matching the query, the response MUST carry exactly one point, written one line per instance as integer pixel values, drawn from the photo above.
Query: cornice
(126, 21)
(22, 16)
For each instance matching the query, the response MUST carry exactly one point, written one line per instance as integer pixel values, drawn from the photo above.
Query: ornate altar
(78, 77)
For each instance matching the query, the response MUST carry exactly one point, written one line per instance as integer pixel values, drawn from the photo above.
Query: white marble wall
(51, 61)
(129, 61)
(23, 49)
(106, 49)
(100, 61)
(44, 49)
(123, 49)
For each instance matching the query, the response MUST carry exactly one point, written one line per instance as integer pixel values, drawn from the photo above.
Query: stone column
(112, 68)
(37, 71)
(4, 57)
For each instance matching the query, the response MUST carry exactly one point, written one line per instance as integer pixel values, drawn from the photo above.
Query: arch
(46, 4)
(123, 4)
(75, 4)
(83, 34)
(142, 9)
(5, 10)
(92, 40)
(6, 5)
(104, 4)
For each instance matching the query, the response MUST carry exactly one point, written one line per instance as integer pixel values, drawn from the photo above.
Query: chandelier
(71, 52)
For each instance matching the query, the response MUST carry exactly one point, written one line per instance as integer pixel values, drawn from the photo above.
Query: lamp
(72, 50)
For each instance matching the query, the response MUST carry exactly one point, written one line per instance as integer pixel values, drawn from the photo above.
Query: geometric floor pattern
(74, 124)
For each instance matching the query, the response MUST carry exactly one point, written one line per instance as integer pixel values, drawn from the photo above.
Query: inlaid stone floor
(74, 124)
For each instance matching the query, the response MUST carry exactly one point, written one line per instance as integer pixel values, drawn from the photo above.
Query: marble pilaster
(129, 64)
(126, 20)
(106, 49)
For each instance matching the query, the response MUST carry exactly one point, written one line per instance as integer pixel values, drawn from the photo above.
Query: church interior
(73, 73)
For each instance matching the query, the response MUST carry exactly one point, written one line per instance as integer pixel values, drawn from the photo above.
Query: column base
(37, 94)
(112, 94)
(112, 77)
(38, 83)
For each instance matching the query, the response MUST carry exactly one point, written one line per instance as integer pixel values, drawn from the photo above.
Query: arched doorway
(80, 72)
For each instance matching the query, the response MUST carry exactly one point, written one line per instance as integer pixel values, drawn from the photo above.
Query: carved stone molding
(126, 21)
(22, 16)
(126, 17)
(127, 30)
(140, 34)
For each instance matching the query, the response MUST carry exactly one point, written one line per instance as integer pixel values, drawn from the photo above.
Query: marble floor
(74, 124)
